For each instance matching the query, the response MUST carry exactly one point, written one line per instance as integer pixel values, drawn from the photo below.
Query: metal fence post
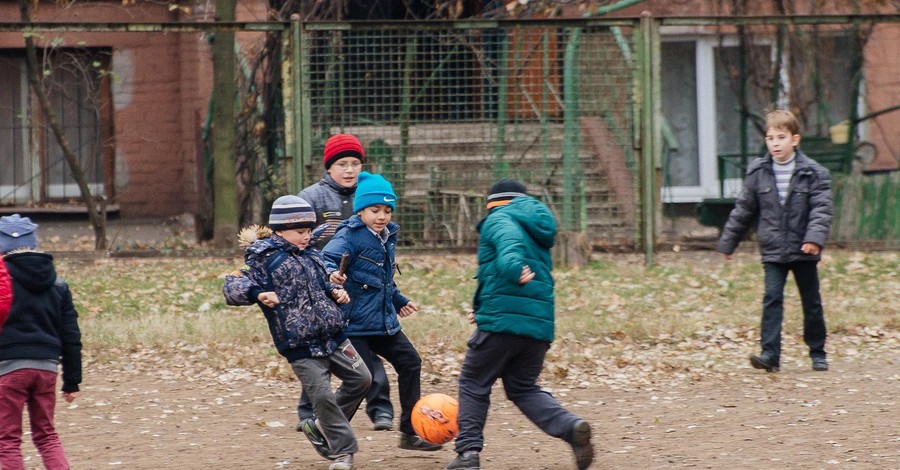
(293, 134)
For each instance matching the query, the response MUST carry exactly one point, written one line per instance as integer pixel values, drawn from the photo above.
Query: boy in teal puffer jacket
(513, 310)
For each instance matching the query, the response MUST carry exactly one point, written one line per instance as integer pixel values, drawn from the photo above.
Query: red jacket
(5, 293)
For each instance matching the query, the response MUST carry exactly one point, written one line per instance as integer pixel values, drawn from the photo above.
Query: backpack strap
(272, 263)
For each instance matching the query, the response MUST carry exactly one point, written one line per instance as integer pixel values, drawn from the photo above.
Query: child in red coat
(5, 293)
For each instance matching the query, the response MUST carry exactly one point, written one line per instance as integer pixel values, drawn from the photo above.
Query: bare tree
(95, 205)
(224, 93)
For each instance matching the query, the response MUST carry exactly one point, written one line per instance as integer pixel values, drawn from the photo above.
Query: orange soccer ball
(434, 418)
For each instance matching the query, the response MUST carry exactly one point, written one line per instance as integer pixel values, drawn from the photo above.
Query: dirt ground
(138, 417)
(137, 414)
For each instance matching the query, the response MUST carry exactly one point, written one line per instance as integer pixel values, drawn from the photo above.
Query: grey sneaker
(413, 442)
(468, 460)
(580, 440)
(342, 462)
(819, 363)
(311, 431)
(383, 423)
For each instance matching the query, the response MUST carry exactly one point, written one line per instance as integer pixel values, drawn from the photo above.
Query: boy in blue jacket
(376, 304)
(789, 196)
(288, 282)
(514, 312)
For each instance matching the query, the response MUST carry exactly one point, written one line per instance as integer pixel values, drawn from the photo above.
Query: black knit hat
(503, 191)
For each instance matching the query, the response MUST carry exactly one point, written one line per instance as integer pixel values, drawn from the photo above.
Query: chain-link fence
(444, 111)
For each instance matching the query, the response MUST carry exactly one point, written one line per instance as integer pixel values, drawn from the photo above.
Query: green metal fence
(445, 109)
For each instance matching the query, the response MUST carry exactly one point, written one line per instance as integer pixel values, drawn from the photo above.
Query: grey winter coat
(805, 216)
(333, 204)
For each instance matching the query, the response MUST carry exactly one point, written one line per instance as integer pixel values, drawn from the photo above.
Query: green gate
(444, 109)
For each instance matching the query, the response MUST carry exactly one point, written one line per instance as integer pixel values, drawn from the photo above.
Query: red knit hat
(342, 145)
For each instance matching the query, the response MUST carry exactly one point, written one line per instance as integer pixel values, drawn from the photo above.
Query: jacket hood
(342, 190)
(250, 234)
(33, 270)
(533, 216)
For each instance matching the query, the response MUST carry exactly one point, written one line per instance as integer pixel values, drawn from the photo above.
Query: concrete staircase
(450, 167)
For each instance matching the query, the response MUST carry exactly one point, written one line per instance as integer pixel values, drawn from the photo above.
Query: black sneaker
(311, 431)
(764, 362)
(413, 442)
(580, 440)
(468, 460)
(819, 364)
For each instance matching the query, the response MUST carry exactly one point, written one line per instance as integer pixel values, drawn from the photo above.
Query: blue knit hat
(291, 212)
(17, 232)
(373, 189)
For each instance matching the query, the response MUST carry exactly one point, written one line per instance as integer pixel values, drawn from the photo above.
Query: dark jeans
(401, 354)
(378, 400)
(518, 361)
(806, 275)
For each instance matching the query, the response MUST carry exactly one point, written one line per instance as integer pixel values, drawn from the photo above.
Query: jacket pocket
(799, 204)
(366, 281)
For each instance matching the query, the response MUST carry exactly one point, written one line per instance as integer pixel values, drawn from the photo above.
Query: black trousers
(518, 362)
(806, 275)
(400, 353)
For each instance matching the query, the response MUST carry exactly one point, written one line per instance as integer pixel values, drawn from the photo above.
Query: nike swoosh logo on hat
(387, 199)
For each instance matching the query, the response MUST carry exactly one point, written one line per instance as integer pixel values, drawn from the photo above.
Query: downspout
(614, 7)
(570, 111)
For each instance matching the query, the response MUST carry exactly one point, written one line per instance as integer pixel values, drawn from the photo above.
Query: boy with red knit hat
(332, 200)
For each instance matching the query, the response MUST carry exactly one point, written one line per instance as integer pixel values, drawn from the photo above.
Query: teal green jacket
(512, 236)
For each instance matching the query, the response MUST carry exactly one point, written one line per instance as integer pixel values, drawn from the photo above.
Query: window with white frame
(701, 96)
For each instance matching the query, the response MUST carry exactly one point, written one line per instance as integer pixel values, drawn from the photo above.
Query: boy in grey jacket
(790, 196)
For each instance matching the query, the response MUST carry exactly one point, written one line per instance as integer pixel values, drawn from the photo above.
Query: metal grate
(445, 112)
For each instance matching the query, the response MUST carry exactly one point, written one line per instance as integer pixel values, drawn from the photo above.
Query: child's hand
(340, 295)
(810, 248)
(269, 299)
(727, 256)
(337, 278)
(471, 317)
(407, 310)
(526, 276)
(70, 396)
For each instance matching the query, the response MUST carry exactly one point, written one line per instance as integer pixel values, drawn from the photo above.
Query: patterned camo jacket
(307, 322)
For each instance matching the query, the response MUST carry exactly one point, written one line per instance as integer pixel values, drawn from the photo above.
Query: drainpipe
(614, 7)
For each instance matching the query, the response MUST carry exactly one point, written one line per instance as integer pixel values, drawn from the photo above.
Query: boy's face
(298, 237)
(376, 217)
(344, 171)
(781, 143)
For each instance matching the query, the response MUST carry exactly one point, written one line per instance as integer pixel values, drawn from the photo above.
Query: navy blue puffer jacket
(374, 297)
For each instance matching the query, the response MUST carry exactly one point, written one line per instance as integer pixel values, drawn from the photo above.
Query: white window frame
(707, 142)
